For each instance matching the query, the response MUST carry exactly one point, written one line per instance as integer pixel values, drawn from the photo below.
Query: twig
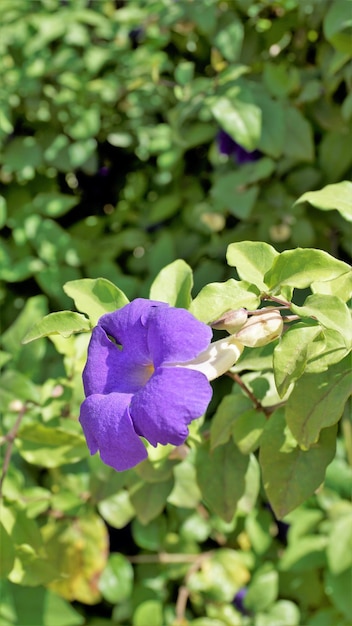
(267, 410)
(183, 592)
(10, 438)
(257, 405)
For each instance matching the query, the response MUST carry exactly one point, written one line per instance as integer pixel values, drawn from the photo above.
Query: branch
(257, 405)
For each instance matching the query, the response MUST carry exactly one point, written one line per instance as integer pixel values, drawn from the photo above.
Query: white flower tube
(217, 359)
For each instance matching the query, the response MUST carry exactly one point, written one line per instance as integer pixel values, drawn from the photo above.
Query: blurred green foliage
(110, 166)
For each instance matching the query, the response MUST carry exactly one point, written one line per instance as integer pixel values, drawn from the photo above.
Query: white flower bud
(231, 321)
(261, 328)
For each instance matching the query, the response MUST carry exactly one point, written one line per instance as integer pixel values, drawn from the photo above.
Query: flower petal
(170, 400)
(110, 369)
(175, 335)
(129, 325)
(108, 427)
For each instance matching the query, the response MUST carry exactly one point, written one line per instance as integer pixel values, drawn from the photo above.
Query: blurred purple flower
(229, 147)
(238, 600)
(135, 382)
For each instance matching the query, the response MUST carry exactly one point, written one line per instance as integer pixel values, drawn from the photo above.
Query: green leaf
(7, 552)
(238, 114)
(338, 26)
(95, 296)
(298, 143)
(263, 589)
(248, 429)
(63, 323)
(38, 606)
(252, 259)
(291, 355)
(221, 477)
(337, 196)
(217, 298)
(150, 536)
(290, 475)
(20, 387)
(149, 499)
(116, 581)
(31, 566)
(147, 613)
(283, 613)
(339, 550)
(305, 553)
(173, 285)
(78, 551)
(317, 401)
(225, 415)
(117, 510)
(340, 287)
(54, 204)
(338, 588)
(229, 39)
(47, 446)
(330, 311)
(328, 348)
(186, 493)
(302, 266)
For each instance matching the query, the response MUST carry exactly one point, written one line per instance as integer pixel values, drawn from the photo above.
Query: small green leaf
(149, 499)
(340, 287)
(116, 581)
(252, 259)
(221, 477)
(173, 284)
(339, 549)
(298, 143)
(337, 196)
(263, 589)
(217, 298)
(291, 355)
(330, 311)
(328, 348)
(38, 606)
(302, 266)
(147, 613)
(117, 510)
(150, 536)
(317, 401)
(7, 552)
(290, 475)
(238, 114)
(63, 323)
(94, 297)
(50, 447)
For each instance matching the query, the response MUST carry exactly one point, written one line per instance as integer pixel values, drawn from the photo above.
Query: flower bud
(261, 328)
(231, 321)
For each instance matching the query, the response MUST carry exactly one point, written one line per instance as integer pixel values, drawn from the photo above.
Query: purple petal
(226, 144)
(108, 427)
(170, 400)
(175, 336)
(129, 326)
(110, 369)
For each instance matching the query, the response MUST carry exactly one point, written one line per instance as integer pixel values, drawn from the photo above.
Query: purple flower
(138, 381)
(229, 147)
(238, 600)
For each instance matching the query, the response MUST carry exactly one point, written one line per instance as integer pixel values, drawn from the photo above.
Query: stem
(257, 405)
(10, 438)
(267, 296)
(167, 557)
